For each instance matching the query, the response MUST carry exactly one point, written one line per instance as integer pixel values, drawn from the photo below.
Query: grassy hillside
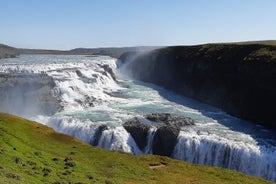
(33, 153)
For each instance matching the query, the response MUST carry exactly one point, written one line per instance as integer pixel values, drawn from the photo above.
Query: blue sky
(67, 24)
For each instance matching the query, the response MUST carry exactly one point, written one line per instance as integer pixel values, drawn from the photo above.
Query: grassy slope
(33, 153)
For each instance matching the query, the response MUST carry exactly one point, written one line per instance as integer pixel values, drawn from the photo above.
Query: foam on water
(91, 98)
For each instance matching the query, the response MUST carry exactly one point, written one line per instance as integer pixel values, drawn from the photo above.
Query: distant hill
(42, 51)
(115, 52)
(7, 51)
(32, 153)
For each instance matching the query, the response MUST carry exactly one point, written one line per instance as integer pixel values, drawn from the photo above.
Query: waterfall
(150, 136)
(118, 139)
(95, 104)
(218, 151)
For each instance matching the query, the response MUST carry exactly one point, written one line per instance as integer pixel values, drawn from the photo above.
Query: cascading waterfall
(150, 136)
(218, 151)
(95, 105)
(118, 139)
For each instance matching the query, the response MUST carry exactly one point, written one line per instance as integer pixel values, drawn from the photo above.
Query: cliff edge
(238, 78)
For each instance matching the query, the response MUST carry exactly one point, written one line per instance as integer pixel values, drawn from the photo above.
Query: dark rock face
(165, 140)
(167, 129)
(169, 126)
(138, 131)
(240, 79)
(28, 94)
(98, 134)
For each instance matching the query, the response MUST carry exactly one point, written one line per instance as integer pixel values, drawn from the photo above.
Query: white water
(91, 98)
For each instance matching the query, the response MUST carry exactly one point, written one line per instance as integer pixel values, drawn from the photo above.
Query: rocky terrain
(238, 78)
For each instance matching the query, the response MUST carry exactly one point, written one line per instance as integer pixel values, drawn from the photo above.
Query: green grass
(33, 153)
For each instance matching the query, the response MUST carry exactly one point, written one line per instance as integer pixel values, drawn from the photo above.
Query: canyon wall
(238, 78)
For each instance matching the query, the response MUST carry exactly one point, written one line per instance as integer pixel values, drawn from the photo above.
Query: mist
(28, 95)
(129, 65)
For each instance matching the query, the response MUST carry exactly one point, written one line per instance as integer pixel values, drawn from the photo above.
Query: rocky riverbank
(238, 78)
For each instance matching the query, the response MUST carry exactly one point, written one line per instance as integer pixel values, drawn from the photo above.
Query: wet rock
(164, 140)
(108, 69)
(138, 131)
(170, 119)
(78, 72)
(98, 134)
(167, 128)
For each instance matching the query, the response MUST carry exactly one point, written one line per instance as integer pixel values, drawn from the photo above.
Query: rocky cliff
(238, 78)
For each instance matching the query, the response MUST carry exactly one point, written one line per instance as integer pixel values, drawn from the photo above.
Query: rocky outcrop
(28, 94)
(167, 128)
(240, 79)
(138, 131)
(165, 140)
